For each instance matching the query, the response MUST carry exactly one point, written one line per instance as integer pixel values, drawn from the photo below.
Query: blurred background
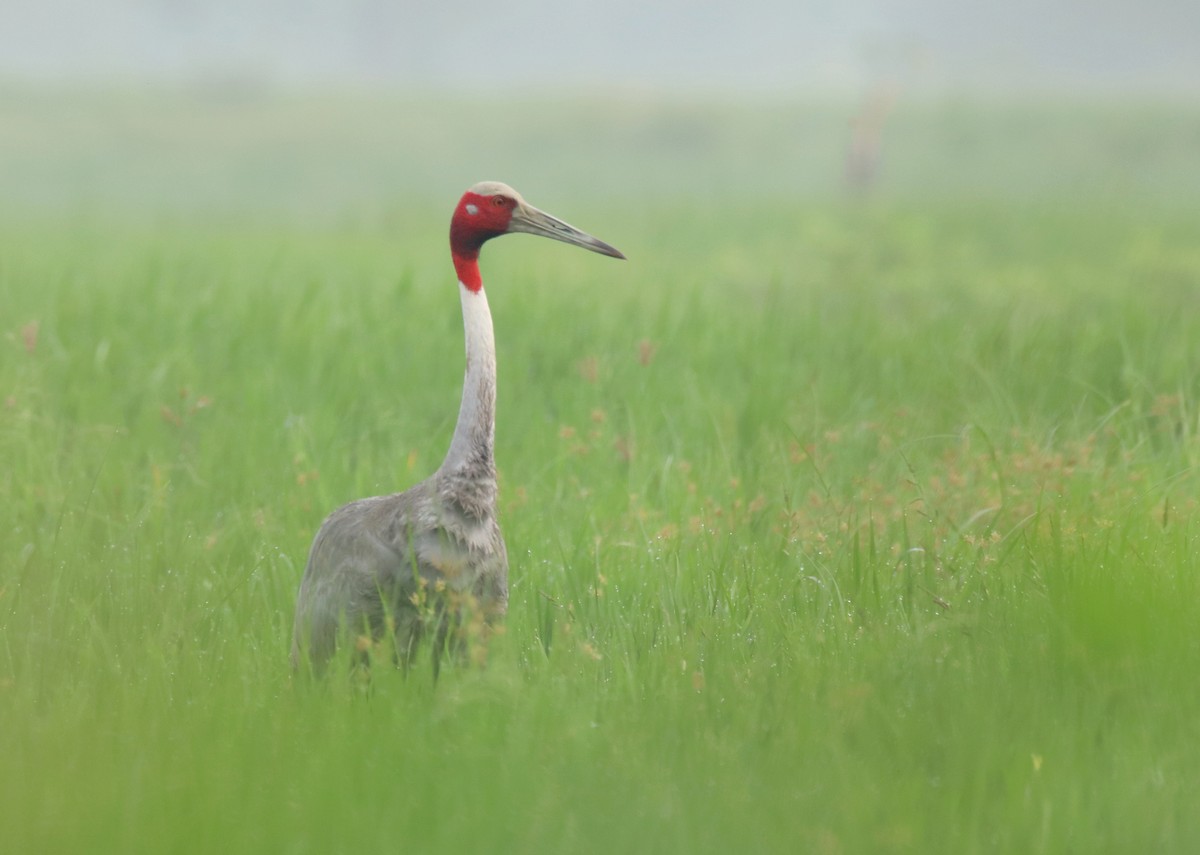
(325, 109)
(764, 46)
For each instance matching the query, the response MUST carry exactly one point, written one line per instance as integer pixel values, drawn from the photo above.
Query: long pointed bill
(526, 218)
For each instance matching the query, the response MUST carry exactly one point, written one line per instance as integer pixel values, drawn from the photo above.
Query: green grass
(833, 527)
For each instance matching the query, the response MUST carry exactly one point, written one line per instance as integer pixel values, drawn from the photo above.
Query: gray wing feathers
(366, 558)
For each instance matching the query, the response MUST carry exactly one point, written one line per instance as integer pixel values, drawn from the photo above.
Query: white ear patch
(472, 209)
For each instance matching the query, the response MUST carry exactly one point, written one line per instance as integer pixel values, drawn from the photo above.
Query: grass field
(835, 525)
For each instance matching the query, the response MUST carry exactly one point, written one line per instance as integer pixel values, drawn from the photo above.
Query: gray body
(368, 556)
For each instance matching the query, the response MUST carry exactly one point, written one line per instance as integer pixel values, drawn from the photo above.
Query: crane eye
(499, 200)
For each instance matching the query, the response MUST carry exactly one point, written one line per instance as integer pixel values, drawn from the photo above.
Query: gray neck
(470, 451)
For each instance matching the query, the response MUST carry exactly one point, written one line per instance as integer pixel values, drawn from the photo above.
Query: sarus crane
(377, 564)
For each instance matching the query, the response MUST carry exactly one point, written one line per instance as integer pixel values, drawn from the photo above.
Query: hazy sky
(765, 45)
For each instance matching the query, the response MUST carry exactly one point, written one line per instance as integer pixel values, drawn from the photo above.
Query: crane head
(490, 209)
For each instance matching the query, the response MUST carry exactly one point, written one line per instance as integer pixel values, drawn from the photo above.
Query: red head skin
(476, 219)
